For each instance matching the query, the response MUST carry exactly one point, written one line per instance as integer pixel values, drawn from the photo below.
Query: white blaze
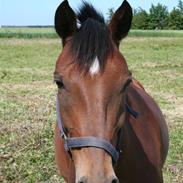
(95, 67)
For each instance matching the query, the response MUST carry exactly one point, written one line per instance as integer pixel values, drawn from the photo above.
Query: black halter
(80, 142)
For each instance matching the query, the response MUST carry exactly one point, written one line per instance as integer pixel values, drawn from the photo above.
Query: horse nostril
(82, 180)
(115, 180)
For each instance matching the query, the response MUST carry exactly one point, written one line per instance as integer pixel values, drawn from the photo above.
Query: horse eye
(59, 84)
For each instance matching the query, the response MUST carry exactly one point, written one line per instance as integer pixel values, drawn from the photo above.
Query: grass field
(32, 33)
(27, 102)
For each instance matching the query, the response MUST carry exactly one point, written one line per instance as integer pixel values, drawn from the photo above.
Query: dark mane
(92, 39)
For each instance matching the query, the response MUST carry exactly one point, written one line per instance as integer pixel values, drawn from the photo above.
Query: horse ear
(65, 21)
(121, 21)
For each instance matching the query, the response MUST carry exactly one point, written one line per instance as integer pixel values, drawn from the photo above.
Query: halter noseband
(81, 142)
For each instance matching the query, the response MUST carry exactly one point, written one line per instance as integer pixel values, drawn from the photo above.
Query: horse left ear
(121, 22)
(65, 21)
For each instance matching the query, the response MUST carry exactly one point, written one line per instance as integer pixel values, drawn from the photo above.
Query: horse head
(92, 77)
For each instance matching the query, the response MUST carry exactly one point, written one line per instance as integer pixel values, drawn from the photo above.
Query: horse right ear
(121, 21)
(65, 21)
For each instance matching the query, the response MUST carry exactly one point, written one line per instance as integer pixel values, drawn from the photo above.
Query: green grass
(156, 33)
(33, 33)
(27, 33)
(27, 102)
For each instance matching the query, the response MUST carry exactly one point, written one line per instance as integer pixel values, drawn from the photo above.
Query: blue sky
(41, 12)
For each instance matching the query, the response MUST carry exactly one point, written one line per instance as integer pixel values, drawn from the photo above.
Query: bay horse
(109, 129)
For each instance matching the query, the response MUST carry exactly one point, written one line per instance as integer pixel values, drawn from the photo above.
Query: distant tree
(175, 20)
(176, 17)
(140, 19)
(158, 17)
(110, 14)
(180, 6)
(135, 11)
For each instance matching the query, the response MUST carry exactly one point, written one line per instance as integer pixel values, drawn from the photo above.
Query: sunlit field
(27, 99)
(32, 33)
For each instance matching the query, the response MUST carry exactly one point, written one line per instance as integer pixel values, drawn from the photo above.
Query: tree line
(158, 17)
